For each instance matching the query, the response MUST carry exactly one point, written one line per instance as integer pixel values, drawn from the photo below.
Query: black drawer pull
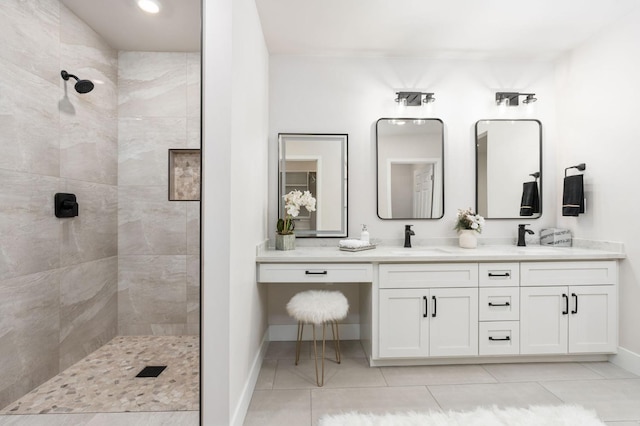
(566, 304)
(435, 306)
(500, 304)
(426, 306)
(506, 274)
(315, 272)
(493, 339)
(575, 311)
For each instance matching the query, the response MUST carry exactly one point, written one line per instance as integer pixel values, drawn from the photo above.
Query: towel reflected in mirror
(530, 203)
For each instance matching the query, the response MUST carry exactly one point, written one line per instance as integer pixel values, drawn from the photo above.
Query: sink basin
(422, 251)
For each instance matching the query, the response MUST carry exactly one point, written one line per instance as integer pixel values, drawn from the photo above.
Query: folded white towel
(352, 243)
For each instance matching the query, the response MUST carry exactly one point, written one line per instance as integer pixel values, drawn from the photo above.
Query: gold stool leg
(315, 353)
(336, 341)
(323, 345)
(299, 340)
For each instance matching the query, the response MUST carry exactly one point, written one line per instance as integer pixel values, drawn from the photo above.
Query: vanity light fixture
(414, 98)
(512, 98)
(149, 6)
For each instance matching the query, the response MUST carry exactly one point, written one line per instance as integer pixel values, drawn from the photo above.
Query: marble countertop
(392, 254)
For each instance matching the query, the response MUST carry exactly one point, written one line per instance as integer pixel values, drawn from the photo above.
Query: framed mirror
(410, 168)
(316, 163)
(509, 169)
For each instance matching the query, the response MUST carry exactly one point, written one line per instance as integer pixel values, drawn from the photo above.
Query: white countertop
(391, 254)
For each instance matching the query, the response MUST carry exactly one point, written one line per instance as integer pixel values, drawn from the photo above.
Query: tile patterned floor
(286, 394)
(105, 382)
(170, 418)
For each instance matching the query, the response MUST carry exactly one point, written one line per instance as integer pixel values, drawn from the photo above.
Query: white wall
(234, 205)
(348, 95)
(598, 90)
(248, 198)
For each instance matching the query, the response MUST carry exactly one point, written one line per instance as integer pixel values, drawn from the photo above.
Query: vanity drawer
(315, 273)
(499, 274)
(499, 303)
(568, 273)
(428, 275)
(499, 338)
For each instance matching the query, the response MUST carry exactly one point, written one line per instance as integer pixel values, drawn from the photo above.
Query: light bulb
(149, 6)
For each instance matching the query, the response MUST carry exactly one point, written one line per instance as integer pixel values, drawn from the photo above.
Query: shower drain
(151, 371)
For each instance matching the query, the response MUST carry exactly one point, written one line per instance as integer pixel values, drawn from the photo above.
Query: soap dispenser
(364, 235)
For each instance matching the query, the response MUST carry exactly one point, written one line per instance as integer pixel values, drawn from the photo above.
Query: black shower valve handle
(65, 205)
(68, 204)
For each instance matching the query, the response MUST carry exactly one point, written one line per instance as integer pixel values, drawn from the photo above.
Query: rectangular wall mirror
(316, 163)
(509, 169)
(410, 168)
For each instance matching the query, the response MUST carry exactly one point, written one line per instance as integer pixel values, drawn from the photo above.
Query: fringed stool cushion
(318, 306)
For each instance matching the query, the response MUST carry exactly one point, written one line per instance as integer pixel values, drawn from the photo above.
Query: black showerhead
(82, 86)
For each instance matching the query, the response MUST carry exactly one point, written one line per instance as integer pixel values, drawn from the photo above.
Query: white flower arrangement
(293, 201)
(468, 219)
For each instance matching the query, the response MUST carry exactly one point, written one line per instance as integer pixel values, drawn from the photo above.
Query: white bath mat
(547, 415)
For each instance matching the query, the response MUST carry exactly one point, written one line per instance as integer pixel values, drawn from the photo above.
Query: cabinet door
(544, 320)
(592, 319)
(453, 320)
(404, 323)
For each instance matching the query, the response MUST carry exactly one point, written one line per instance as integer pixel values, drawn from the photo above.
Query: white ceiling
(125, 27)
(539, 29)
(444, 28)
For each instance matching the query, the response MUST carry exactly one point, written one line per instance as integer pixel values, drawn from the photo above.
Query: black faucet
(521, 233)
(407, 235)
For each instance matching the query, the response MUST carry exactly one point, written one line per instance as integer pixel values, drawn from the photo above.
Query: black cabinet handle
(500, 304)
(435, 306)
(575, 311)
(493, 339)
(506, 274)
(426, 306)
(566, 304)
(315, 272)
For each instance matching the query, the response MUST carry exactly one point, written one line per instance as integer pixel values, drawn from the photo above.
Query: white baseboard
(288, 332)
(247, 392)
(626, 359)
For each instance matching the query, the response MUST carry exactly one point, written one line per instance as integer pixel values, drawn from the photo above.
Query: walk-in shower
(81, 86)
(88, 301)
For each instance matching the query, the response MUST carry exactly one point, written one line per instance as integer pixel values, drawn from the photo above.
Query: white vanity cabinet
(428, 310)
(568, 307)
(441, 306)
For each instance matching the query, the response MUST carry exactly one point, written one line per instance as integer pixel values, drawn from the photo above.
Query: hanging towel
(573, 196)
(530, 203)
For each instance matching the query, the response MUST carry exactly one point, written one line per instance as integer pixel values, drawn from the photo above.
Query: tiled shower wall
(58, 277)
(158, 239)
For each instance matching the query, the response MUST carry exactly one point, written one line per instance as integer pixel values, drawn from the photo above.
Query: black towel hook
(535, 175)
(581, 167)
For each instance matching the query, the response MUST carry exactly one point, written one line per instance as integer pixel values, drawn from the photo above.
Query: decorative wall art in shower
(184, 175)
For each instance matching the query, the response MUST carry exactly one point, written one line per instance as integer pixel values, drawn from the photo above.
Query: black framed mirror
(509, 168)
(410, 168)
(316, 163)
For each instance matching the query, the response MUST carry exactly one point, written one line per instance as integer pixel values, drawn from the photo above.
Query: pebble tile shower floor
(105, 381)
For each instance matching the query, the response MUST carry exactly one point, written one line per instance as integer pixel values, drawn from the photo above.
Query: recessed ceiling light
(149, 6)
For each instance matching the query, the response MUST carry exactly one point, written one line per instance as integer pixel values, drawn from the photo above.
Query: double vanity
(445, 304)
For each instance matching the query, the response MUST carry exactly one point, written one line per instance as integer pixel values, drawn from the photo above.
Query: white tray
(369, 247)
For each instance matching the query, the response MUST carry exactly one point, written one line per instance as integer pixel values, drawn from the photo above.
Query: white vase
(285, 242)
(467, 238)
